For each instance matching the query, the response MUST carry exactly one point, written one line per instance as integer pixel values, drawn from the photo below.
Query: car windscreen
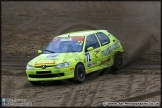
(64, 45)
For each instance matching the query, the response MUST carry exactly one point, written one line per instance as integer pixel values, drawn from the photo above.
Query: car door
(105, 44)
(92, 57)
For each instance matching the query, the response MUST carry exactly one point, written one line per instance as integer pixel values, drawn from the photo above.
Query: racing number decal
(88, 57)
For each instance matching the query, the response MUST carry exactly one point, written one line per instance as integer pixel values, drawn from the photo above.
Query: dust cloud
(135, 24)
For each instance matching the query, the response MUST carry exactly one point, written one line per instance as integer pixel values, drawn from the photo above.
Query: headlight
(66, 64)
(29, 67)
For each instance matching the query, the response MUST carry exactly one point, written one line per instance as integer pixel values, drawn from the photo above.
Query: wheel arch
(80, 63)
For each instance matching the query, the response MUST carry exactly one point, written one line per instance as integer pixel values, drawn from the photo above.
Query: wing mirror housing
(39, 51)
(90, 48)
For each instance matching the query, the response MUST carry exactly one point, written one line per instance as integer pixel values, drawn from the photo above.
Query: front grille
(41, 66)
(43, 72)
(46, 75)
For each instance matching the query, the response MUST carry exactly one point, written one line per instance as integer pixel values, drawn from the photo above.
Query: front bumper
(50, 74)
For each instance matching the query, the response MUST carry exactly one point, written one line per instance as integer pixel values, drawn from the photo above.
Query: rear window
(103, 38)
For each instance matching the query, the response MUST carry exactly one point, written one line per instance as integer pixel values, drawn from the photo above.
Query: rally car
(73, 55)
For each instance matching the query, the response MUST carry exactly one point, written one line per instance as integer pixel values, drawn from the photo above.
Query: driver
(67, 46)
(70, 48)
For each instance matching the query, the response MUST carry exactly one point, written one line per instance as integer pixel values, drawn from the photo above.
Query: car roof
(81, 33)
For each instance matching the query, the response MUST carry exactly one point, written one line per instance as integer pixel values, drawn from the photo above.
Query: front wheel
(79, 74)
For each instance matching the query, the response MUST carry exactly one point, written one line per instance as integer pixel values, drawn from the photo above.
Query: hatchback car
(75, 54)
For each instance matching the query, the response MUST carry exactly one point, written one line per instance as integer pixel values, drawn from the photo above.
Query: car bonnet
(52, 59)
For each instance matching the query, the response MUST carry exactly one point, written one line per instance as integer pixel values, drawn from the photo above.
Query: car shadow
(67, 82)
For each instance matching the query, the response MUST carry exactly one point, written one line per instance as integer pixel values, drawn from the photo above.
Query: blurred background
(28, 26)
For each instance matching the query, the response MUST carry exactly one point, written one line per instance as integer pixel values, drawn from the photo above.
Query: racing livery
(75, 54)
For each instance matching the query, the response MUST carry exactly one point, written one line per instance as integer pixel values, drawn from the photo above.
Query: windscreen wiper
(49, 51)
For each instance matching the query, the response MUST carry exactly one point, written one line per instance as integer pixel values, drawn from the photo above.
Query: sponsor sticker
(88, 65)
(37, 64)
(53, 55)
(110, 49)
(90, 70)
(71, 68)
(31, 72)
(66, 39)
(105, 61)
(57, 70)
(96, 52)
(81, 39)
(91, 64)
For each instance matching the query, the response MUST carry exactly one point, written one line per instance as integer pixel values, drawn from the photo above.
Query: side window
(103, 38)
(91, 41)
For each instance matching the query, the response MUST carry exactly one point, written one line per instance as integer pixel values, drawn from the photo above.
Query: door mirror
(90, 48)
(39, 51)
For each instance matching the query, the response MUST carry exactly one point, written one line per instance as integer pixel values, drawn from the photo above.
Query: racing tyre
(35, 82)
(118, 61)
(79, 75)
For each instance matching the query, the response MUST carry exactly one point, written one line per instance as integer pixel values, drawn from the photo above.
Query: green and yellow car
(75, 54)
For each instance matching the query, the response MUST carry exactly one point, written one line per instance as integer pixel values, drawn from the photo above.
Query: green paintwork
(39, 51)
(90, 48)
(101, 57)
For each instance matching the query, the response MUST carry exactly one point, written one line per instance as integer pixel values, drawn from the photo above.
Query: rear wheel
(35, 82)
(79, 74)
(118, 61)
